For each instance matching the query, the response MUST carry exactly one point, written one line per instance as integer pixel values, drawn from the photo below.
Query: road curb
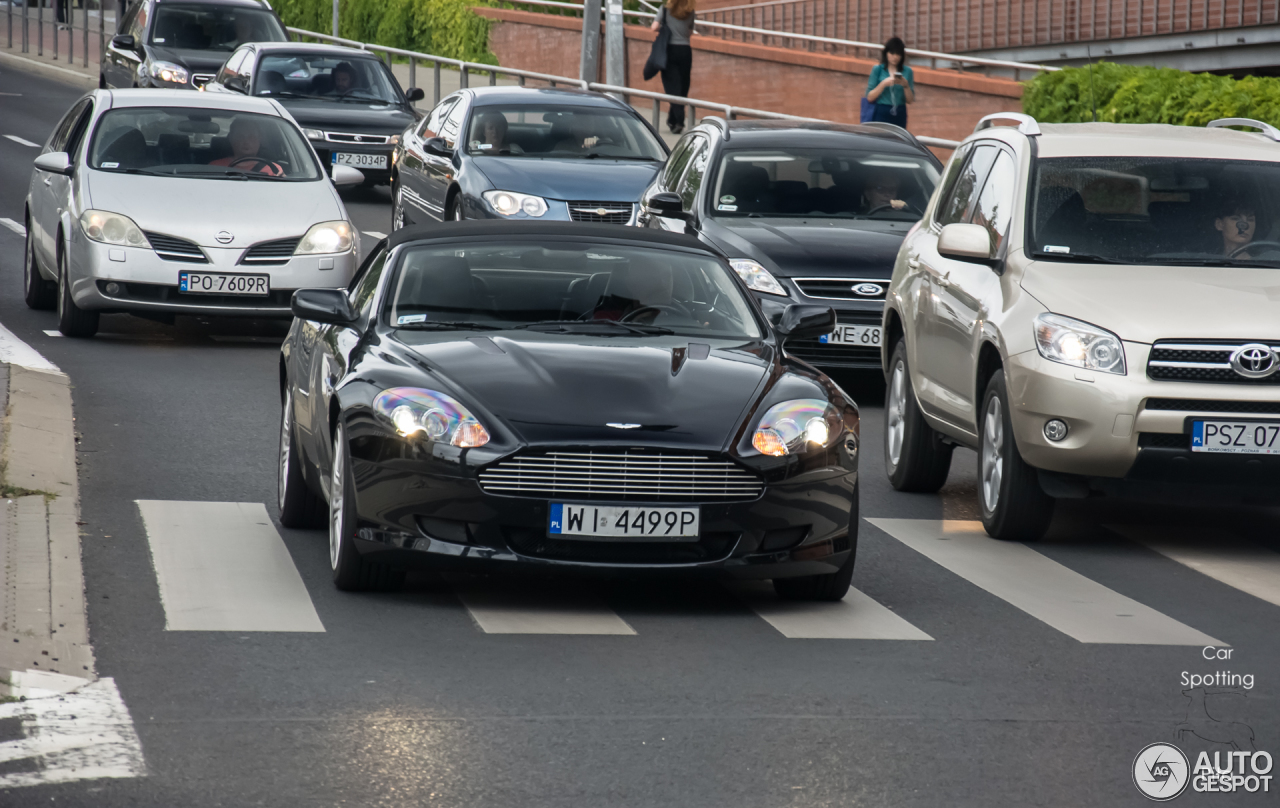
(67, 74)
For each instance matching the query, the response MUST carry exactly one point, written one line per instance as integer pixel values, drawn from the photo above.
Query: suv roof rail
(1265, 128)
(902, 134)
(717, 121)
(1026, 124)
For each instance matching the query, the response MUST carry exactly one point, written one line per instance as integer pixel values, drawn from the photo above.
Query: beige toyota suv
(1093, 308)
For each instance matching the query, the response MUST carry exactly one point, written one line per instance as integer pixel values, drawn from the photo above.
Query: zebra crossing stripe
(1224, 557)
(521, 610)
(857, 617)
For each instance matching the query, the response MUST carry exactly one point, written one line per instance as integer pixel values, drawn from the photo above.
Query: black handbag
(657, 61)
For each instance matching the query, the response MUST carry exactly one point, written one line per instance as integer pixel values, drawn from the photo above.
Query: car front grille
(1201, 361)
(1196, 405)
(172, 248)
(843, 288)
(621, 474)
(827, 355)
(600, 212)
(1164, 440)
(201, 79)
(357, 138)
(709, 547)
(268, 253)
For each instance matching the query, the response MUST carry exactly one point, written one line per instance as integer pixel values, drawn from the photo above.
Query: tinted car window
(676, 162)
(366, 283)
(561, 132)
(452, 124)
(691, 180)
(138, 25)
(232, 66)
(199, 27)
(431, 125)
(61, 133)
(955, 206)
(564, 287)
(994, 207)
(303, 75)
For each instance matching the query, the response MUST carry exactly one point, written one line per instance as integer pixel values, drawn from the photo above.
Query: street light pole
(589, 66)
(335, 17)
(615, 56)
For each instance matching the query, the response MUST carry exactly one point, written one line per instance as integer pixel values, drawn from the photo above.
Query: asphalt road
(409, 699)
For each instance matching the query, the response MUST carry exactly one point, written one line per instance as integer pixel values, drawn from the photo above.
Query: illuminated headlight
(313, 134)
(796, 426)
(326, 237)
(509, 203)
(1072, 342)
(415, 412)
(756, 277)
(168, 71)
(112, 228)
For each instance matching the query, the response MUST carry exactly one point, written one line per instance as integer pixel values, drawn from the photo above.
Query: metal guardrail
(86, 28)
(466, 69)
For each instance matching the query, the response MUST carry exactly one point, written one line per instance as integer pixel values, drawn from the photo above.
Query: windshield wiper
(361, 99)
(1079, 258)
(145, 171)
(569, 325)
(224, 174)
(448, 325)
(595, 156)
(1214, 262)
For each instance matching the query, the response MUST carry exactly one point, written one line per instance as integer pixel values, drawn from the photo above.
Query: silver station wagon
(162, 202)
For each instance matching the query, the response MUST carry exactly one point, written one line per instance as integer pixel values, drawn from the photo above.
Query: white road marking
(17, 227)
(81, 735)
(1041, 587)
(537, 611)
(16, 352)
(52, 332)
(1222, 556)
(222, 566)
(857, 617)
(375, 234)
(23, 141)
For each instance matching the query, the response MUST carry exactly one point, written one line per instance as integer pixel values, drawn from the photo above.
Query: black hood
(382, 119)
(197, 61)
(804, 246)
(559, 388)
(570, 178)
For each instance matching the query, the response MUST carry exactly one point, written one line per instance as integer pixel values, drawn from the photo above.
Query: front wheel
(73, 321)
(915, 458)
(832, 586)
(299, 505)
(398, 219)
(1014, 507)
(351, 572)
(39, 293)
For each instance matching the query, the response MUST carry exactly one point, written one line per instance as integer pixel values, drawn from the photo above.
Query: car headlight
(112, 228)
(394, 140)
(1075, 343)
(795, 426)
(313, 134)
(168, 71)
(326, 237)
(509, 203)
(413, 411)
(756, 276)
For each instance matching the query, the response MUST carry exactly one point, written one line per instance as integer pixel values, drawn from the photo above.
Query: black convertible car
(563, 394)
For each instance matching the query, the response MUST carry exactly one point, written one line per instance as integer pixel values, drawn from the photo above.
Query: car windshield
(325, 77)
(207, 143)
(1156, 211)
(570, 288)
(844, 183)
(562, 133)
(219, 28)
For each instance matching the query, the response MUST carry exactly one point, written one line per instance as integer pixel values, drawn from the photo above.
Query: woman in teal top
(892, 85)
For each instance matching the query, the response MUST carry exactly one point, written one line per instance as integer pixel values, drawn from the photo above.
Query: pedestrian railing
(83, 23)
(466, 70)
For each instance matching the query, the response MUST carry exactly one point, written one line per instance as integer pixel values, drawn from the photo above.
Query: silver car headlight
(756, 277)
(510, 203)
(313, 134)
(1076, 343)
(413, 411)
(326, 237)
(796, 426)
(112, 228)
(168, 71)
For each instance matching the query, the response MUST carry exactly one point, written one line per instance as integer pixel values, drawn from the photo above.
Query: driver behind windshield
(583, 134)
(343, 76)
(491, 134)
(633, 288)
(882, 191)
(246, 140)
(1236, 221)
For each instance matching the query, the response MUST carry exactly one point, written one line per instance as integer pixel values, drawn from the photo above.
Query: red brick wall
(814, 85)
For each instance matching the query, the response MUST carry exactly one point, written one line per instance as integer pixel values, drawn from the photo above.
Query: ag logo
(1161, 772)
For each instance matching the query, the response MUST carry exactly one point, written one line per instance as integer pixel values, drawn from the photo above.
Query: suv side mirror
(667, 205)
(437, 146)
(805, 321)
(124, 42)
(323, 306)
(966, 242)
(414, 94)
(55, 163)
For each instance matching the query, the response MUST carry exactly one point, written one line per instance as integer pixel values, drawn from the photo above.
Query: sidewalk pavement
(54, 53)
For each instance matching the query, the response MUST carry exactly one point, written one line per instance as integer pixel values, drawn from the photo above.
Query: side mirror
(667, 205)
(437, 146)
(966, 242)
(805, 321)
(323, 306)
(124, 42)
(414, 94)
(346, 176)
(55, 163)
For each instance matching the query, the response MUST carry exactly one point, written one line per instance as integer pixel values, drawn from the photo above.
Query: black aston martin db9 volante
(564, 394)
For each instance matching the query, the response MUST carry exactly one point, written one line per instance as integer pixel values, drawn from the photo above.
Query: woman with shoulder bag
(891, 86)
(678, 16)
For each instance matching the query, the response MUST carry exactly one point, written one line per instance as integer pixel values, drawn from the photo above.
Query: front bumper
(558, 210)
(1126, 433)
(147, 282)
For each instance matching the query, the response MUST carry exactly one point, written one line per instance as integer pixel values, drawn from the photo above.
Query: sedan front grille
(843, 288)
(600, 212)
(357, 138)
(1196, 405)
(172, 248)
(621, 474)
(271, 252)
(1201, 361)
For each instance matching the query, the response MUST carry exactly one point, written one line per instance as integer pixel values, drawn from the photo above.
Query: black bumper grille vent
(1196, 405)
(621, 474)
(271, 252)
(172, 248)
(710, 547)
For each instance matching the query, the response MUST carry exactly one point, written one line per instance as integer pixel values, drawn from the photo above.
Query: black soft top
(483, 229)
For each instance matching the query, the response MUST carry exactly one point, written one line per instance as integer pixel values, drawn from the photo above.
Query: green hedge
(1131, 94)
(440, 27)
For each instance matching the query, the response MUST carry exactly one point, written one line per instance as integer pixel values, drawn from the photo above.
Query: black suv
(178, 44)
(806, 212)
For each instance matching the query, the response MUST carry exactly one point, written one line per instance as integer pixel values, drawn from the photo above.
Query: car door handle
(48, 181)
(944, 280)
(913, 264)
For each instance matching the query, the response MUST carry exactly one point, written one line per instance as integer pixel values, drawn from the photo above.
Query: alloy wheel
(397, 210)
(336, 497)
(896, 417)
(992, 454)
(286, 444)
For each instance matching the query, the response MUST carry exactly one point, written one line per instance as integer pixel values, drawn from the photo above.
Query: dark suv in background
(179, 44)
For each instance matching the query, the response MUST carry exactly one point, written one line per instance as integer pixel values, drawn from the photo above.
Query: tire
(351, 572)
(454, 211)
(1014, 507)
(299, 506)
(40, 294)
(398, 219)
(915, 458)
(73, 321)
(832, 586)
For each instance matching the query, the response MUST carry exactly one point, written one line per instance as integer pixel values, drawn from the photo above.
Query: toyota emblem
(1254, 361)
(224, 237)
(868, 289)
